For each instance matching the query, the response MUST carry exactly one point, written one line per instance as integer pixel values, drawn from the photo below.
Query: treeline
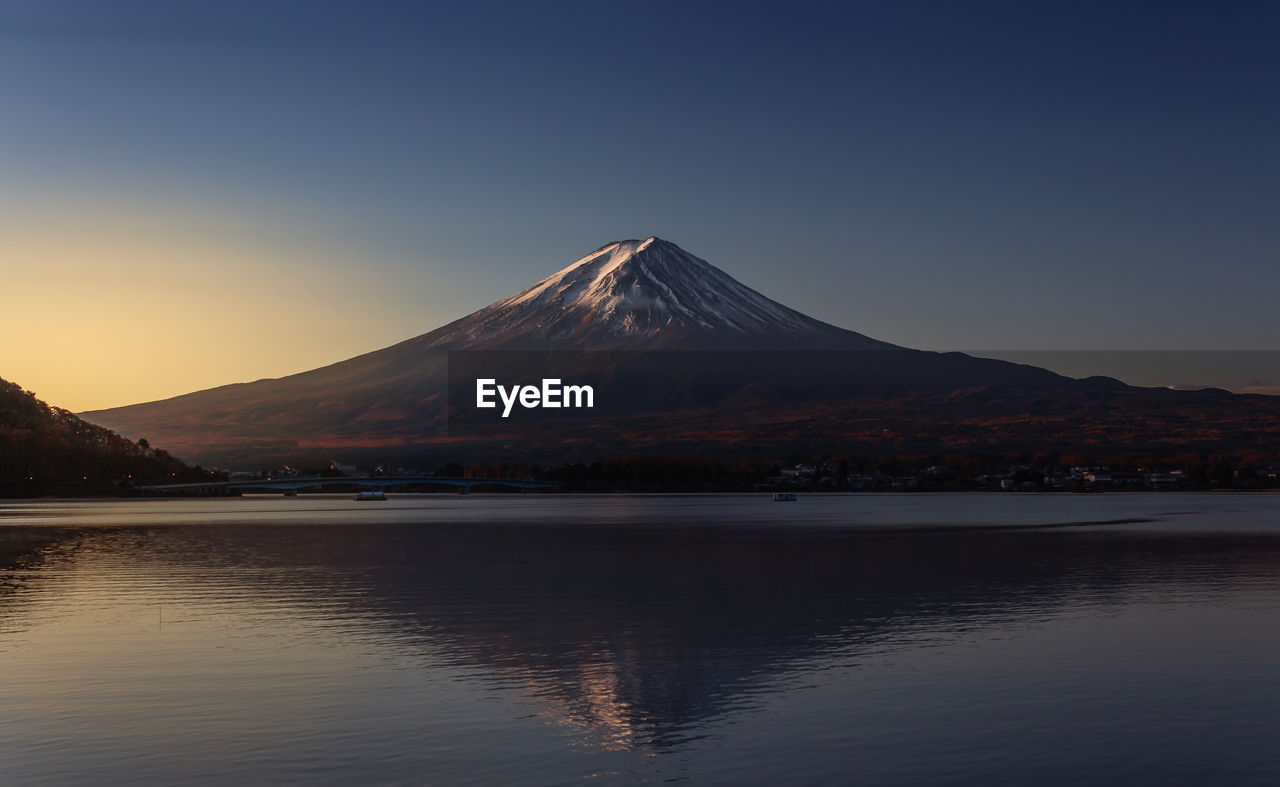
(940, 472)
(46, 450)
(631, 474)
(1212, 465)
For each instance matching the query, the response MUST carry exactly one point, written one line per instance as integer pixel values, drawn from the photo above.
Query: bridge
(296, 483)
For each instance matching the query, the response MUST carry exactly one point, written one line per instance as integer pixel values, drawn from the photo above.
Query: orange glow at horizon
(114, 310)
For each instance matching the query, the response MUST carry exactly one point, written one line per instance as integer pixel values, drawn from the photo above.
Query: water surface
(552, 639)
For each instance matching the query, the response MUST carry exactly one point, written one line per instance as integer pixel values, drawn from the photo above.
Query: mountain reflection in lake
(545, 639)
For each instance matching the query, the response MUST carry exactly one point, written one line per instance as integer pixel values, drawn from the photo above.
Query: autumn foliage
(47, 450)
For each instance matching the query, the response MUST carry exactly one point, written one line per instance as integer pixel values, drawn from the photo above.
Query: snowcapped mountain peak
(611, 256)
(643, 293)
(601, 262)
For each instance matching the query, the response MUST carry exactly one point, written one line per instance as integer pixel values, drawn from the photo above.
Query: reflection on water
(893, 640)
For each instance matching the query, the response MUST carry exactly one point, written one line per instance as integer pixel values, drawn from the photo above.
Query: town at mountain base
(651, 297)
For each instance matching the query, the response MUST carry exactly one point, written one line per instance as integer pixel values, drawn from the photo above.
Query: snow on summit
(643, 293)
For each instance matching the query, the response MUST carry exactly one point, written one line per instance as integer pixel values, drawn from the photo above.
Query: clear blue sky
(940, 175)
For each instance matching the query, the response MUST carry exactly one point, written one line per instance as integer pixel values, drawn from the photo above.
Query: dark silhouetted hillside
(46, 450)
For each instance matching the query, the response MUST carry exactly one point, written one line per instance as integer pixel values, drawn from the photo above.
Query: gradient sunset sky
(200, 193)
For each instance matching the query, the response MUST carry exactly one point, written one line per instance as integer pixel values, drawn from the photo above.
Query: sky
(200, 193)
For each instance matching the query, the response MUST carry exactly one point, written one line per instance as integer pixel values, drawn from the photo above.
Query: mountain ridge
(647, 292)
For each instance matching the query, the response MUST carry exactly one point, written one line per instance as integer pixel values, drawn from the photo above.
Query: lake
(615, 639)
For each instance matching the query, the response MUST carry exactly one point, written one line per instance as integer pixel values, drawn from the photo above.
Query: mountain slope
(642, 294)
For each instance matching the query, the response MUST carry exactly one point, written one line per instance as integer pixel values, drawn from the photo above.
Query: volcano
(651, 296)
(642, 294)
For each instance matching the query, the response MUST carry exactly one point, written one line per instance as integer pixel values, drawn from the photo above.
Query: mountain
(642, 294)
(47, 450)
(636, 298)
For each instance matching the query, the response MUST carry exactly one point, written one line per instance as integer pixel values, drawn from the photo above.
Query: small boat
(784, 497)
(378, 495)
